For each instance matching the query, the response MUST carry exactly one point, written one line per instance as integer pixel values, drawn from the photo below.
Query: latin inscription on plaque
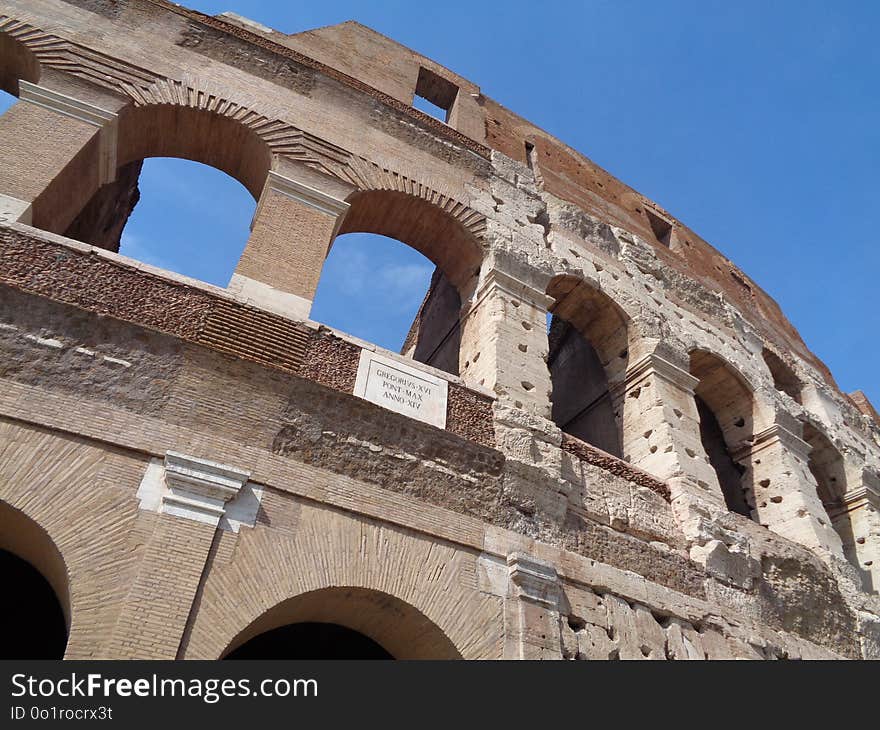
(401, 388)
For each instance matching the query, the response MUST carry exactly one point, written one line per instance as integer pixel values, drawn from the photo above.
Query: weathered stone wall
(494, 534)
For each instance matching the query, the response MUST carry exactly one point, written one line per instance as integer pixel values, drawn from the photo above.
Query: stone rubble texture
(502, 535)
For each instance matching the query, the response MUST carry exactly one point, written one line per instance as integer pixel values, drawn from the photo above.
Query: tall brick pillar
(784, 490)
(290, 237)
(182, 502)
(531, 609)
(57, 151)
(504, 342)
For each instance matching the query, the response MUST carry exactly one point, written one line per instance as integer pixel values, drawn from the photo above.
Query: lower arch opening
(310, 640)
(35, 627)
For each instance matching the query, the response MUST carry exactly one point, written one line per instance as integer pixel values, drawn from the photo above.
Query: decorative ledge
(305, 194)
(536, 580)
(199, 490)
(66, 105)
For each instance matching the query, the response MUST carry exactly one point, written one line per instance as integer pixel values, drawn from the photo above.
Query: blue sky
(755, 123)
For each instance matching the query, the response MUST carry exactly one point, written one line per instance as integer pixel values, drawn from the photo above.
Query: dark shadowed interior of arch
(34, 623)
(827, 467)
(310, 640)
(588, 351)
(386, 292)
(176, 214)
(725, 406)
(728, 471)
(581, 402)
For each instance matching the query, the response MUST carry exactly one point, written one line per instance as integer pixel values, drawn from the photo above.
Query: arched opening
(34, 609)
(374, 287)
(827, 467)
(378, 290)
(185, 217)
(784, 378)
(185, 191)
(588, 354)
(342, 623)
(726, 410)
(310, 640)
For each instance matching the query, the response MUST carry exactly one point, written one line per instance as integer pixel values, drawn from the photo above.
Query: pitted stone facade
(602, 441)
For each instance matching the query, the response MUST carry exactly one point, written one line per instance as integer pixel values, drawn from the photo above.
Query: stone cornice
(306, 195)
(536, 580)
(770, 436)
(66, 105)
(510, 285)
(652, 363)
(199, 489)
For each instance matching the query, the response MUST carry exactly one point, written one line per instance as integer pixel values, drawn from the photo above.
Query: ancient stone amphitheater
(601, 441)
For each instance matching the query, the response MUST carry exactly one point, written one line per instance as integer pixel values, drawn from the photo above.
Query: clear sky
(755, 123)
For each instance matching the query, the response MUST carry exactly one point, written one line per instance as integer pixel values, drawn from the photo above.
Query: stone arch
(726, 407)
(28, 550)
(396, 626)
(17, 63)
(827, 466)
(589, 343)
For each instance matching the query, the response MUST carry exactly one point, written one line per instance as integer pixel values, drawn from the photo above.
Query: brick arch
(50, 481)
(271, 567)
(201, 133)
(17, 61)
(398, 627)
(426, 225)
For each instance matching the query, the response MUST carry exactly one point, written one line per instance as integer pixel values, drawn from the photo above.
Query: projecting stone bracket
(532, 609)
(200, 490)
(534, 580)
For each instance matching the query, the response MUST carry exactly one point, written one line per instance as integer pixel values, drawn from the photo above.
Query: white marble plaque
(401, 388)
